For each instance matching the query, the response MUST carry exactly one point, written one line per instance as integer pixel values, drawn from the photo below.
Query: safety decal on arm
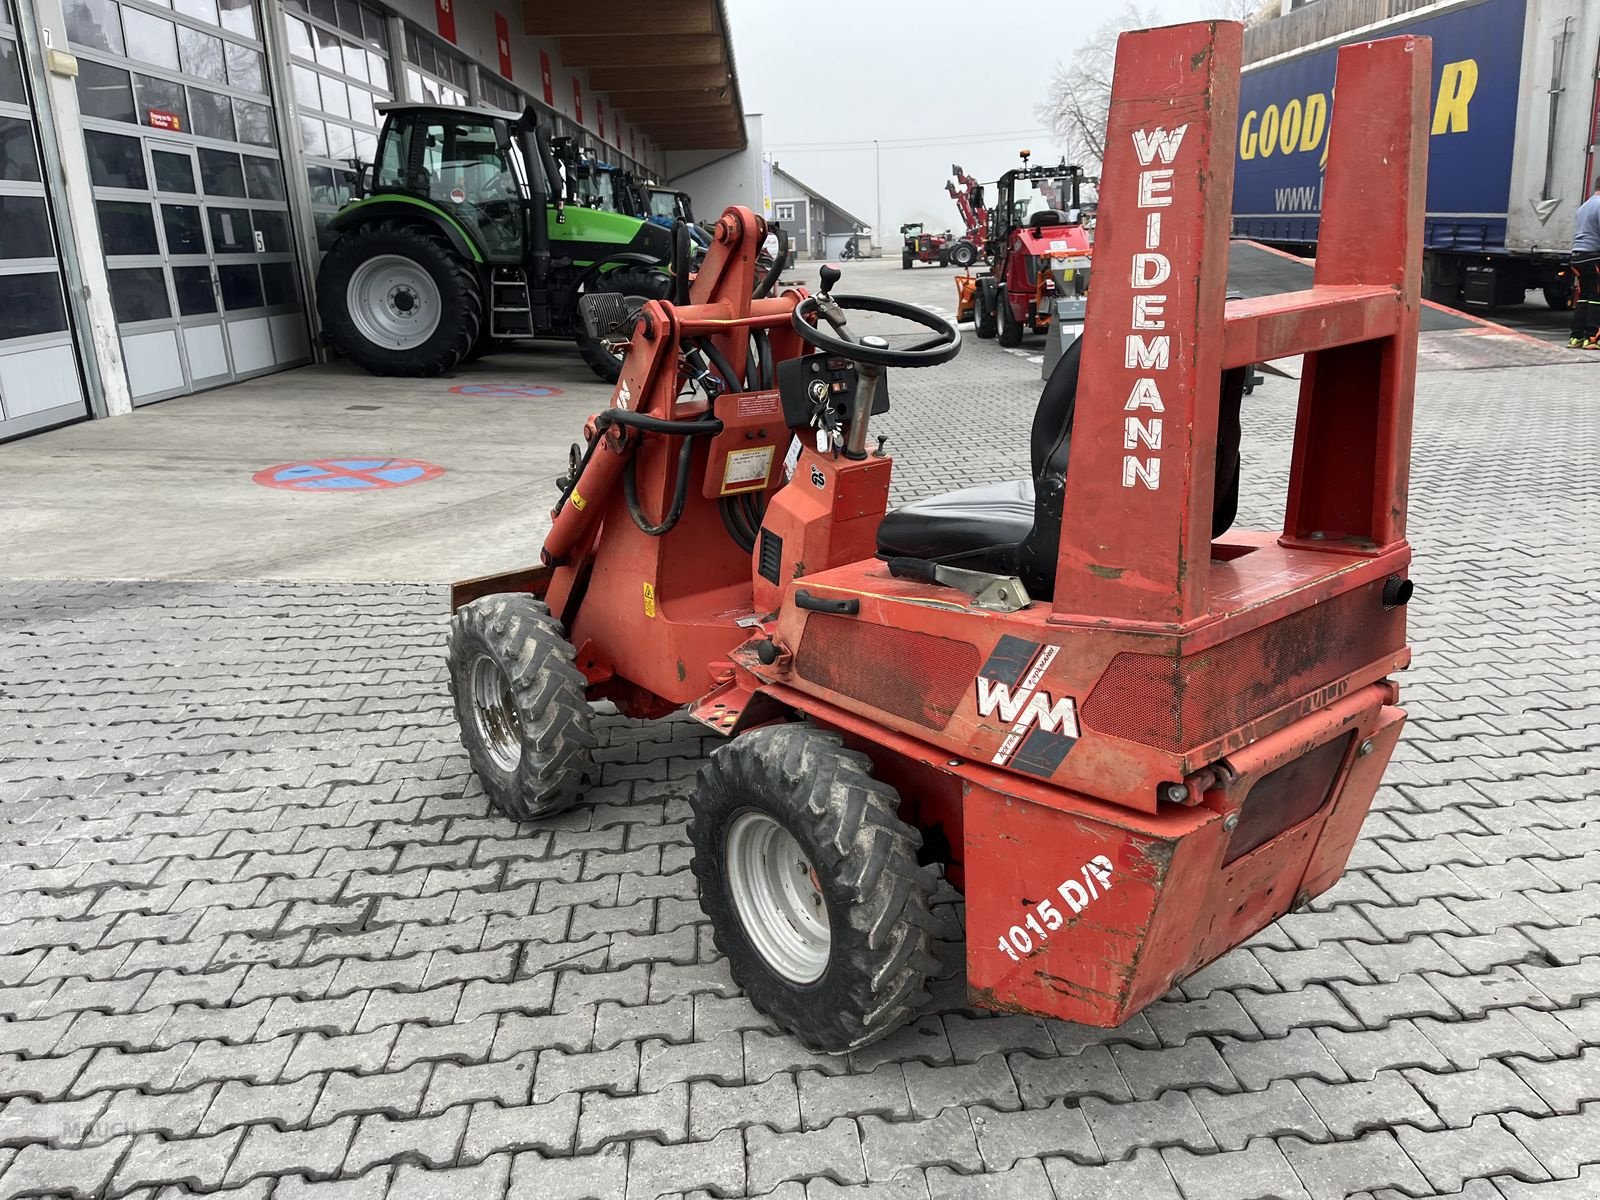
(1042, 728)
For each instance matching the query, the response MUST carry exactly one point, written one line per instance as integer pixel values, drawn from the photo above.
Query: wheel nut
(1230, 822)
(1365, 748)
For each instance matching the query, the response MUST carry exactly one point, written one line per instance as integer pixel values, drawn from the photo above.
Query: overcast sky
(935, 81)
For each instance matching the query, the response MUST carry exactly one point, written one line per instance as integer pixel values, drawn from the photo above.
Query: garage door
(189, 192)
(39, 382)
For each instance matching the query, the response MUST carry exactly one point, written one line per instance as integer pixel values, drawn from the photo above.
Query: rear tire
(521, 705)
(407, 283)
(838, 949)
(905, 260)
(1010, 331)
(630, 281)
(963, 254)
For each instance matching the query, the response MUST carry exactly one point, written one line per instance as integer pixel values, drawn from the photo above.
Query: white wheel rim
(393, 302)
(494, 713)
(778, 897)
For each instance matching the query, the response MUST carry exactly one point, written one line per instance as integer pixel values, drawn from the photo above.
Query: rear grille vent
(1179, 704)
(770, 563)
(916, 676)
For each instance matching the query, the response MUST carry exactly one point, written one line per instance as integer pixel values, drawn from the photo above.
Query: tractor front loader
(1131, 734)
(467, 239)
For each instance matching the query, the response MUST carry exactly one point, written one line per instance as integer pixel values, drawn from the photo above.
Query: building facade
(170, 167)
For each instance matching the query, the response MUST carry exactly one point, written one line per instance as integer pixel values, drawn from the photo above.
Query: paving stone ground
(261, 935)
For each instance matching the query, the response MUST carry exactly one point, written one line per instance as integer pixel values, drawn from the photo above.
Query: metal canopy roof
(667, 65)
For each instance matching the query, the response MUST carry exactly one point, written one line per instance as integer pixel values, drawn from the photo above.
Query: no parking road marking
(347, 474)
(506, 389)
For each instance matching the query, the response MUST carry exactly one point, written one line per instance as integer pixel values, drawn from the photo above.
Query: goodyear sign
(1286, 109)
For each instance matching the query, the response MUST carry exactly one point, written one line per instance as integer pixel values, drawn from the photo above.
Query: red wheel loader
(1129, 733)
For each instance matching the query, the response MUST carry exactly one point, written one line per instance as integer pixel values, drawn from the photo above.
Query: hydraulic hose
(719, 363)
(770, 279)
(680, 493)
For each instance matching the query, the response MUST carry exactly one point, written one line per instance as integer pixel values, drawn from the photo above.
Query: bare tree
(1079, 94)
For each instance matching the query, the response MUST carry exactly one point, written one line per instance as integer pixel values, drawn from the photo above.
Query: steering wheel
(941, 348)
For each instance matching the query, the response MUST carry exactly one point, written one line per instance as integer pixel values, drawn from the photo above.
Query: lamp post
(877, 164)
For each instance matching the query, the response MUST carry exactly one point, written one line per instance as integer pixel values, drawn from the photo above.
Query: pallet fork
(1131, 736)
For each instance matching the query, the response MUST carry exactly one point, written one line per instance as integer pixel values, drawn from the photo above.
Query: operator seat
(1014, 528)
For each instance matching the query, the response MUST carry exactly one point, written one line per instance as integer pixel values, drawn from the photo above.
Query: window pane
(104, 91)
(349, 16)
(241, 287)
(32, 304)
(361, 110)
(195, 294)
(114, 160)
(127, 227)
(274, 231)
(307, 94)
(19, 158)
(300, 40)
(151, 39)
(377, 70)
(372, 27)
(262, 178)
(11, 74)
(202, 10)
(355, 62)
(24, 229)
(366, 146)
(344, 183)
(213, 115)
(341, 141)
(159, 96)
(230, 231)
(330, 51)
(174, 172)
(325, 10)
(238, 16)
(313, 138)
(201, 54)
(254, 122)
(244, 68)
(320, 180)
(139, 294)
(220, 174)
(277, 282)
(94, 23)
(335, 102)
(185, 231)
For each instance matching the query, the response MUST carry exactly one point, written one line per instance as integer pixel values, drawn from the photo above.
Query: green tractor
(465, 238)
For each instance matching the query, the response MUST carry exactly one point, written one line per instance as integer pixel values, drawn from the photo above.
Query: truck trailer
(1512, 152)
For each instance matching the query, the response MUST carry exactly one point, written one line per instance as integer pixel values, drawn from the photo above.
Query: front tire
(905, 260)
(811, 883)
(963, 254)
(396, 300)
(521, 705)
(983, 316)
(1010, 332)
(630, 281)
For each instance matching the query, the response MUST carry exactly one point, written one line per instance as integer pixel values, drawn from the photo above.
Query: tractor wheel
(630, 281)
(983, 318)
(397, 300)
(521, 705)
(963, 254)
(486, 344)
(906, 260)
(1010, 331)
(811, 883)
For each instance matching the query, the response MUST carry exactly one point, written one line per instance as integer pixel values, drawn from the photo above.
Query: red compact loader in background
(1131, 735)
(1039, 249)
(974, 216)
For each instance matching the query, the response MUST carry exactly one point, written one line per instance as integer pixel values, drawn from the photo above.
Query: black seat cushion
(1014, 528)
(979, 528)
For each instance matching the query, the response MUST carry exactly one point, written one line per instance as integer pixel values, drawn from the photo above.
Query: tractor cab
(1039, 245)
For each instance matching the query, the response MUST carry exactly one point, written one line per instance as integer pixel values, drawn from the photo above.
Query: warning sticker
(747, 470)
(649, 599)
(759, 404)
(458, 196)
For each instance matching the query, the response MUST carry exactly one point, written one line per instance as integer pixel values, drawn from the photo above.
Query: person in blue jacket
(1586, 274)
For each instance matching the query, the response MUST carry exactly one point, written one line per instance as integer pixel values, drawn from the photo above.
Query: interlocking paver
(279, 887)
